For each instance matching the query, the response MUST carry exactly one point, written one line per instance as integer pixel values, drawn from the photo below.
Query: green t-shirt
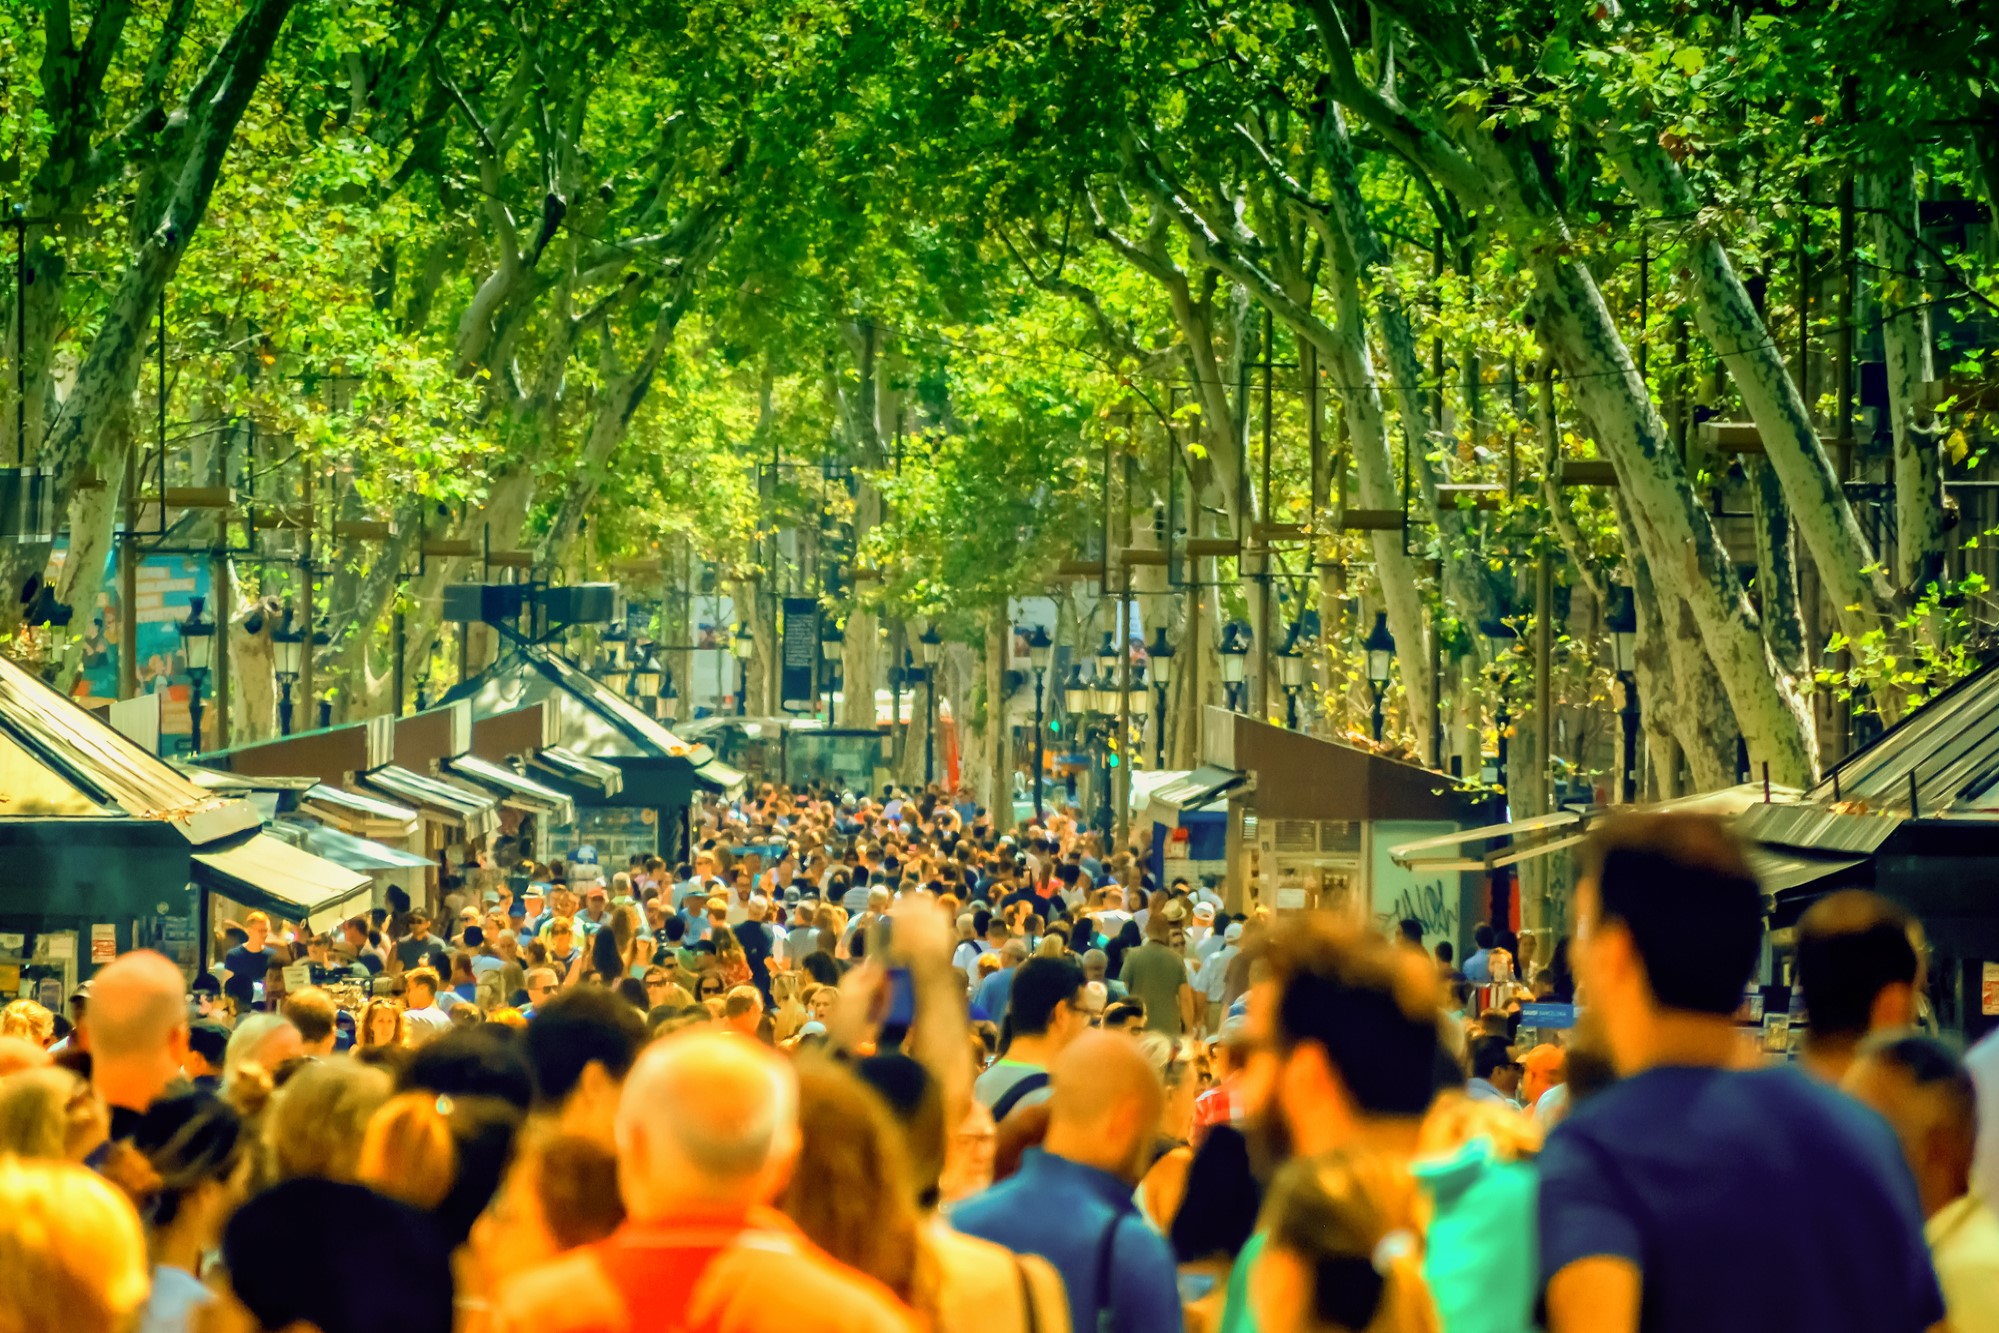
(1155, 974)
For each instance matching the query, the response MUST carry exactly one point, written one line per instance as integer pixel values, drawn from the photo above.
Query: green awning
(363, 855)
(268, 873)
(562, 762)
(522, 793)
(478, 814)
(717, 776)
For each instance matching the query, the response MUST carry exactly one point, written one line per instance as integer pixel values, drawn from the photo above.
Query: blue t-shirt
(995, 992)
(1074, 1216)
(1757, 1200)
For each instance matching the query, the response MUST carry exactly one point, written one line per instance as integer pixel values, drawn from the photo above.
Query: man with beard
(1343, 1051)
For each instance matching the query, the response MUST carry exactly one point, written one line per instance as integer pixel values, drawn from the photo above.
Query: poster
(168, 585)
(103, 943)
(1988, 997)
(798, 688)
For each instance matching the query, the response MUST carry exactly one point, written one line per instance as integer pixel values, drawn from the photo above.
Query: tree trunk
(1889, 194)
(1776, 569)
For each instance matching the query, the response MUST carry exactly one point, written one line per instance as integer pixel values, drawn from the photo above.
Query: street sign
(1547, 1015)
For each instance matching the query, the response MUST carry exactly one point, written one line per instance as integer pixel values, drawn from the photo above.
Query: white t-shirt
(426, 1024)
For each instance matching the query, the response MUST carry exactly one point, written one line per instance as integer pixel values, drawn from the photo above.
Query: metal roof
(1949, 746)
(105, 768)
(270, 873)
(514, 789)
(605, 726)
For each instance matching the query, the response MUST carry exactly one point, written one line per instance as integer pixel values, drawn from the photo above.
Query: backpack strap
(1011, 1098)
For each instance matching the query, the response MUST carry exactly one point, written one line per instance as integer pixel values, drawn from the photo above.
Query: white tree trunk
(1889, 194)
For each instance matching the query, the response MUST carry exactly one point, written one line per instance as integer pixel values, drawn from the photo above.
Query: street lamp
(1234, 650)
(743, 645)
(1159, 658)
(668, 703)
(288, 650)
(611, 646)
(1039, 649)
(1380, 646)
(1502, 640)
(1291, 668)
(197, 646)
(1621, 619)
(52, 618)
(646, 677)
(831, 639)
(932, 644)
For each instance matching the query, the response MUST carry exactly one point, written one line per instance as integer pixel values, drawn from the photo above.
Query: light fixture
(1076, 696)
(744, 643)
(1159, 658)
(1138, 699)
(646, 675)
(1380, 646)
(1621, 619)
(1234, 650)
(667, 706)
(1292, 664)
(612, 643)
(197, 637)
(931, 643)
(287, 649)
(1039, 648)
(53, 619)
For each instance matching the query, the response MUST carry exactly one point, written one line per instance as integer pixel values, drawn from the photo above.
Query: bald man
(1071, 1200)
(136, 1031)
(707, 1133)
(1921, 1087)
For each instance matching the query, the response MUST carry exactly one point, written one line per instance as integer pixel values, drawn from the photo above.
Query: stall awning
(268, 873)
(352, 809)
(522, 793)
(717, 776)
(479, 815)
(1203, 786)
(1779, 871)
(566, 764)
(363, 855)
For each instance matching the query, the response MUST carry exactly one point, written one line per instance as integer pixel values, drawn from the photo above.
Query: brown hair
(851, 1192)
(1349, 1218)
(407, 1152)
(312, 1012)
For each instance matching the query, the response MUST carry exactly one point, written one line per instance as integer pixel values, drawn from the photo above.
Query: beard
(1268, 1137)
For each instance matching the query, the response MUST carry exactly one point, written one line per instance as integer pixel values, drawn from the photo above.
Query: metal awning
(717, 776)
(1201, 787)
(1781, 870)
(268, 873)
(562, 762)
(521, 793)
(353, 808)
(363, 855)
(479, 815)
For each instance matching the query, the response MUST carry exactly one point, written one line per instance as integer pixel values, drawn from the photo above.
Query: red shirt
(706, 1272)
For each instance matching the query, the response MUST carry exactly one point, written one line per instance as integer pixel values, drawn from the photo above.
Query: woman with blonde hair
(50, 1113)
(1341, 1254)
(72, 1255)
(28, 1020)
(316, 1121)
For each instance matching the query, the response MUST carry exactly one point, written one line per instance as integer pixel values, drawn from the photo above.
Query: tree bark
(1889, 194)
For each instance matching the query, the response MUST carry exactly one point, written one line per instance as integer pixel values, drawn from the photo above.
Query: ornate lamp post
(932, 644)
(1291, 666)
(1159, 656)
(1380, 646)
(1234, 650)
(1621, 619)
(667, 706)
(288, 650)
(646, 677)
(197, 645)
(743, 645)
(1039, 649)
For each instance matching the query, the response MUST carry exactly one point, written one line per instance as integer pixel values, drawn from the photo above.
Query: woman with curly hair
(381, 1025)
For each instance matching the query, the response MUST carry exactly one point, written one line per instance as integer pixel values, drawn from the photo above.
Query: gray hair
(248, 1039)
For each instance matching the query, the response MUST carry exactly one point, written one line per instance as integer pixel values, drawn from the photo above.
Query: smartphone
(901, 991)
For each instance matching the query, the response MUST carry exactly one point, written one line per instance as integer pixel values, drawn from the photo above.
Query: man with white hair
(707, 1134)
(136, 1030)
(264, 1041)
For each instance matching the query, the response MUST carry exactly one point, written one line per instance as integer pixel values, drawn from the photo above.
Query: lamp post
(1039, 649)
(1159, 658)
(1076, 702)
(646, 676)
(1380, 646)
(52, 618)
(287, 655)
(611, 645)
(1502, 639)
(1233, 649)
(931, 643)
(831, 642)
(1291, 671)
(197, 645)
(743, 645)
(668, 708)
(1621, 619)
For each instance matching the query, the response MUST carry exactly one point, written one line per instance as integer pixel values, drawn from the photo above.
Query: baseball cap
(1233, 933)
(1204, 911)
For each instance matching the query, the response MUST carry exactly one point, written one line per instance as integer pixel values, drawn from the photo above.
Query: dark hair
(1682, 889)
(486, 1060)
(676, 929)
(1218, 1210)
(633, 992)
(189, 1139)
(1120, 1011)
(1039, 985)
(1930, 1063)
(1482, 937)
(1489, 1055)
(1411, 928)
(208, 1039)
(605, 960)
(293, 1250)
(576, 1029)
(1446, 952)
(1364, 1003)
(822, 967)
(1852, 945)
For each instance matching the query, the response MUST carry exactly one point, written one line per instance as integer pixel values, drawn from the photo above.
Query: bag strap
(1009, 1099)
(1027, 1299)
(1106, 1253)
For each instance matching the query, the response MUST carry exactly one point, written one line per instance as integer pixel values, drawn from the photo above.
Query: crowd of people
(880, 1064)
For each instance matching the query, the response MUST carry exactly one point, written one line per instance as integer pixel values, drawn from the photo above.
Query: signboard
(1988, 1000)
(167, 584)
(798, 679)
(1545, 1014)
(103, 943)
(298, 976)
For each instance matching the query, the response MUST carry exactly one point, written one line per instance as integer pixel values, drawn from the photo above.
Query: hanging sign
(798, 683)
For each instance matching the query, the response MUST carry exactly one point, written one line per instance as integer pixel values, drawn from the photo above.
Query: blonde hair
(34, 1111)
(26, 1019)
(408, 1152)
(315, 1123)
(72, 1255)
(1349, 1219)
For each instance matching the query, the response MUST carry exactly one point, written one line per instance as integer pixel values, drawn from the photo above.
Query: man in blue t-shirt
(1695, 1195)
